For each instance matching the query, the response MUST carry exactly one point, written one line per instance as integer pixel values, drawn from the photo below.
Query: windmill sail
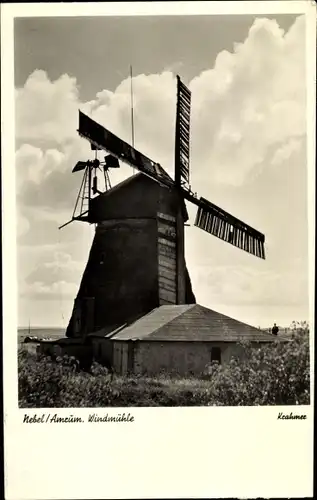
(102, 138)
(219, 223)
(182, 134)
(80, 165)
(209, 217)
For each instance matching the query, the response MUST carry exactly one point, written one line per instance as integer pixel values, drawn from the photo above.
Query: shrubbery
(272, 375)
(276, 374)
(47, 383)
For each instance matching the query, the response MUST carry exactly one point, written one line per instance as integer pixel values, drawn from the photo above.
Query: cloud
(154, 100)
(56, 290)
(253, 286)
(62, 268)
(47, 109)
(285, 151)
(45, 179)
(247, 154)
(53, 279)
(34, 165)
(251, 100)
(23, 225)
(238, 107)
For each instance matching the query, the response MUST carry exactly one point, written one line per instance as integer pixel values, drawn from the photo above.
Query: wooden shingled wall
(167, 273)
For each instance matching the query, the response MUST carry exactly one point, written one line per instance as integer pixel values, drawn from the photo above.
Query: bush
(47, 383)
(277, 374)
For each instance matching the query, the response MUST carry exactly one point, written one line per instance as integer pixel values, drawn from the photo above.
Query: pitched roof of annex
(191, 322)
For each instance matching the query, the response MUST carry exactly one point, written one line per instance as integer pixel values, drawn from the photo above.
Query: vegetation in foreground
(272, 375)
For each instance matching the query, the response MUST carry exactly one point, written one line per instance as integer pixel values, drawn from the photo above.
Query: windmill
(94, 205)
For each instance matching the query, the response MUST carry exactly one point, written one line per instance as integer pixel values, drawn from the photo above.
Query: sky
(248, 148)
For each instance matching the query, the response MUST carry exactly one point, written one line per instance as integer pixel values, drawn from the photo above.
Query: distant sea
(41, 332)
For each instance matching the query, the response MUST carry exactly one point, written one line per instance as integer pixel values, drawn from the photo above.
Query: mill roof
(191, 323)
(126, 182)
(131, 182)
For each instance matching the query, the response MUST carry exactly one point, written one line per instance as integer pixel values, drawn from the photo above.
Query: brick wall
(181, 357)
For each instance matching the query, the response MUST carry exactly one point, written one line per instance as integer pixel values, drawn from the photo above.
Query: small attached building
(181, 338)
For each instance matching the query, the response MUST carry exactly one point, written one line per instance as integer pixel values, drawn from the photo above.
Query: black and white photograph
(158, 171)
(162, 211)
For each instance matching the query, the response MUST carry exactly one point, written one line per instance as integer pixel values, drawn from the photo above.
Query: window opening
(215, 355)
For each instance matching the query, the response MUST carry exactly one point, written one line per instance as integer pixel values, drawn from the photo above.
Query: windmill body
(136, 262)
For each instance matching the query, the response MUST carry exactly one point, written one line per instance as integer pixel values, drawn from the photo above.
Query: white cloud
(285, 151)
(56, 278)
(47, 109)
(44, 177)
(58, 289)
(154, 100)
(35, 165)
(251, 100)
(254, 286)
(49, 273)
(23, 225)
